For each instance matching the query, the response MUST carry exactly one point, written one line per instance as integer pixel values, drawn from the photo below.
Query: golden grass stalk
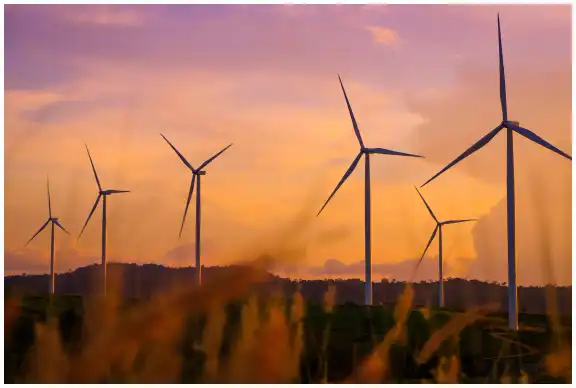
(212, 342)
(374, 369)
(450, 329)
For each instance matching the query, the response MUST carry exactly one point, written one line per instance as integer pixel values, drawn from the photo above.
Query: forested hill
(138, 281)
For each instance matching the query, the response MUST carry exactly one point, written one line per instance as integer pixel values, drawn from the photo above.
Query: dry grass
(141, 344)
(374, 369)
(451, 329)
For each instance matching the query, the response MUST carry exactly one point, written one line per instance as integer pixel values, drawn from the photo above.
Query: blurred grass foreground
(231, 330)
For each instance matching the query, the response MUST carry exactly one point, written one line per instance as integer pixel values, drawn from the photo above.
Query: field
(182, 338)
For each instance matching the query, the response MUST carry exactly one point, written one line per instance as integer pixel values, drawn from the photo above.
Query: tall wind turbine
(511, 127)
(438, 229)
(367, 224)
(101, 193)
(196, 174)
(54, 221)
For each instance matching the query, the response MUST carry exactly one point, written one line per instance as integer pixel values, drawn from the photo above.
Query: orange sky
(265, 78)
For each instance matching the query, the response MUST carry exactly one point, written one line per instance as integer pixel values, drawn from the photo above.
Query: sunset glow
(421, 79)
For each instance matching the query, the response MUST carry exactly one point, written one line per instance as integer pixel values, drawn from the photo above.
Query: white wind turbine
(54, 221)
(367, 222)
(196, 174)
(101, 193)
(438, 229)
(511, 127)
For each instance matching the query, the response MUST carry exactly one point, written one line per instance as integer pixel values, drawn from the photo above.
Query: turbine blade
(479, 144)
(90, 215)
(117, 191)
(213, 157)
(356, 130)
(537, 139)
(458, 221)
(346, 175)
(187, 203)
(39, 230)
(179, 154)
(49, 204)
(425, 203)
(502, 76)
(61, 227)
(93, 169)
(427, 246)
(384, 151)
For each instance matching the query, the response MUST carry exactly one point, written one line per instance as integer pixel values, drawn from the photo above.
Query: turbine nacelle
(196, 172)
(384, 151)
(438, 226)
(52, 220)
(364, 151)
(456, 221)
(512, 126)
(110, 192)
(101, 193)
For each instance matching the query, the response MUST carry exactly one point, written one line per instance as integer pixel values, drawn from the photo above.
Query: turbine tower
(367, 222)
(101, 194)
(438, 229)
(196, 174)
(511, 127)
(54, 221)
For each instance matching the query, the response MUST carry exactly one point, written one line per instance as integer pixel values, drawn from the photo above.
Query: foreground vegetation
(207, 336)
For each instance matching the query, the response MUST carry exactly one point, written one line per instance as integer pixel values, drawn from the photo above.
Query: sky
(421, 79)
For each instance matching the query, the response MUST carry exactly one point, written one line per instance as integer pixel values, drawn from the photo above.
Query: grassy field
(273, 339)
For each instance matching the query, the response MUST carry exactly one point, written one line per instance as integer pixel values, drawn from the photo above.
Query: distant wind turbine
(54, 221)
(511, 127)
(438, 229)
(101, 193)
(367, 232)
(196, 174)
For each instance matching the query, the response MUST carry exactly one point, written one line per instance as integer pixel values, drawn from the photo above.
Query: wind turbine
(438, 229)
(511, 127)
(367, 232)
(196, 174)
(101, 194)
(54, 221)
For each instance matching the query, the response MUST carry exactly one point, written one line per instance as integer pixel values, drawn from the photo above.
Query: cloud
(516, 16)
(543, 233)
(541, 101)
(103, 15)
(184, 254)
(20, 262)
(328, 236)
(35, 261)
(402, 270)
(383, 35)
(173, 36)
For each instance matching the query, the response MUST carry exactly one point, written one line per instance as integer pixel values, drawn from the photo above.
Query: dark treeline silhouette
(142, 281)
